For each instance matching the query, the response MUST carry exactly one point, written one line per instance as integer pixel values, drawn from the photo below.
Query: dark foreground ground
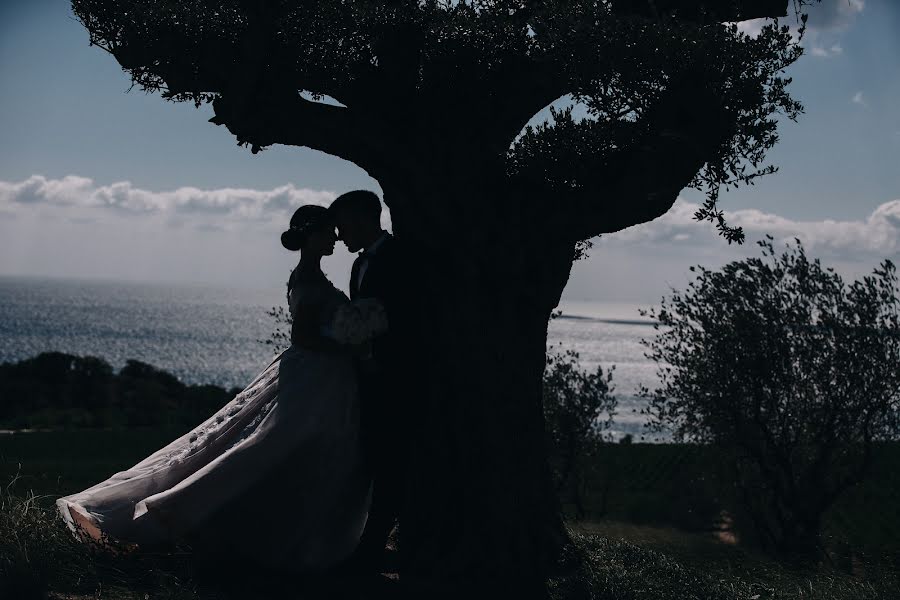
(647, 532)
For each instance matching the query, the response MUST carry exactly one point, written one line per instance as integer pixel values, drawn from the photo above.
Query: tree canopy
(673, 96)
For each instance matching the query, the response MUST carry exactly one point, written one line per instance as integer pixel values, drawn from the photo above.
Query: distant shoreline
(648, 322)
(18, 431)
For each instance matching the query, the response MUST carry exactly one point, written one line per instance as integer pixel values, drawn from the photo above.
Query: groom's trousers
(385, 445)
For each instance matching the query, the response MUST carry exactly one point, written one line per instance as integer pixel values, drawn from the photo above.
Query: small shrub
(578, 410)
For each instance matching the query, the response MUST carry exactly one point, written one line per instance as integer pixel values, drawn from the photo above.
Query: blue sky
(97, 182)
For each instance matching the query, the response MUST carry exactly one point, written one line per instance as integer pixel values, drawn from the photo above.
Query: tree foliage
(398, 86)
(796, 372)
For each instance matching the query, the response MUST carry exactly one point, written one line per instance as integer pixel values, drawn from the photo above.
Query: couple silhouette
(304, 471)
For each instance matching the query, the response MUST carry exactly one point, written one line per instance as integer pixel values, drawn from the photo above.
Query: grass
(725, 567)
(674, 485)
(626, 556)
(39, 558)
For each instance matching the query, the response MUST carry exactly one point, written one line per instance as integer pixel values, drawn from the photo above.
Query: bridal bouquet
(359, 321)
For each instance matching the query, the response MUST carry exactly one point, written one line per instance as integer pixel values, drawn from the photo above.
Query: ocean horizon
(214, 334)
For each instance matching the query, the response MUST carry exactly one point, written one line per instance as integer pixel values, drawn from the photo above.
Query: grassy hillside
(646, 484)
(40, 559)
(646, 536)
(681, 485)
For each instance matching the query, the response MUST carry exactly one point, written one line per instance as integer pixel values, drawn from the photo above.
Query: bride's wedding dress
(275, 475)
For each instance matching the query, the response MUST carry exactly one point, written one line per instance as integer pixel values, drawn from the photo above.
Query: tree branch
(235, 50)
(644, 186)
(702, 11)
(640, 183)
(285, 118)
(261, 111)
(530, 83)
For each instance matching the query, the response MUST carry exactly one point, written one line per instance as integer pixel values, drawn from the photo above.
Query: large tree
(432, 99)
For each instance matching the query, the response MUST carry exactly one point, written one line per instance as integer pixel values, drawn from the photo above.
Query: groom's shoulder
(390, 247)
(397, 256)
(398, 251)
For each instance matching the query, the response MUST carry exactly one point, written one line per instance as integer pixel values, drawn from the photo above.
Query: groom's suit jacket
(385, 384)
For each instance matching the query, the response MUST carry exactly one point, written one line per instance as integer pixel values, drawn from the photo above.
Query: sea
(211, 334)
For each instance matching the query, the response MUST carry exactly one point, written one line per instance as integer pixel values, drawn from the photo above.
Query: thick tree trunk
(481, 515)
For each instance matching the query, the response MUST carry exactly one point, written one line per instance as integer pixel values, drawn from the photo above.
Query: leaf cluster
(731, 88)
(578, 405)
(780, 348)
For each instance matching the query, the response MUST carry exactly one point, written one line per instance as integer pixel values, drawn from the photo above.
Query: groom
(378, 273)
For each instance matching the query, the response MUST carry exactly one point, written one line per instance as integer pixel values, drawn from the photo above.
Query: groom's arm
(393, 291)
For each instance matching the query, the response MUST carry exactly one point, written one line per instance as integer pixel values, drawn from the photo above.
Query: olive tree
(433, 99)
(790, 369)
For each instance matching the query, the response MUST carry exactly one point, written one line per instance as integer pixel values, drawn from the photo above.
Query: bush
(618, 570)
(792, 373)
(59, 391)
(575, 403)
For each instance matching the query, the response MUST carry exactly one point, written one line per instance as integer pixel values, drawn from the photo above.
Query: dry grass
(741, 571)
(40, 558)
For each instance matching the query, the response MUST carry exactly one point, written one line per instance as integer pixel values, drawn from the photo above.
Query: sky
(100, 182)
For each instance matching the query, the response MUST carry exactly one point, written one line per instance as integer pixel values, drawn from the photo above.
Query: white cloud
(79, 198)
(79, 201)
(821, 52)
(878, 236)
(752, 27)
(827, 22)
(859, 98)
(231, 235)
(644, 262)
(834, 14)
(73, 227)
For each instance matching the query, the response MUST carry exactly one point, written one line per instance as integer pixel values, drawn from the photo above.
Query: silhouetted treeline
(59, 391)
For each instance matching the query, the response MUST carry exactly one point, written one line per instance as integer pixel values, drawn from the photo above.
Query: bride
(276, 475)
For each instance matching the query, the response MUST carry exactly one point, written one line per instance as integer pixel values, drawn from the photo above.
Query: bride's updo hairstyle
(307, 219)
